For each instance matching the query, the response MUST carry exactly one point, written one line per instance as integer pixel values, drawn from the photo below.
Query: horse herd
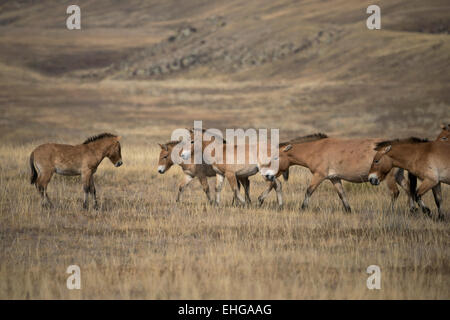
(327, 158)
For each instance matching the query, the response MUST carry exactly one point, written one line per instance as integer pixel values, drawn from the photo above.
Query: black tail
(412, 185)
(34, 173)
(286, 175)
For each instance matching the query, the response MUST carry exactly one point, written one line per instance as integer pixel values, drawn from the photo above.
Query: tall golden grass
(142, 244)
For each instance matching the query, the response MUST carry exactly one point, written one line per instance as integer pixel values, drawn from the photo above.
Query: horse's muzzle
(374, 181)
(269, 177)
(118, 163)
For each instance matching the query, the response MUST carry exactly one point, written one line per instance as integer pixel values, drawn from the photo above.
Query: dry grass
(141, 244)
(63, 86)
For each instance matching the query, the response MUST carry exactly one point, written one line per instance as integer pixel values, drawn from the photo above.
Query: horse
(429, 161)
(233, 172)
(443, 136)
(334, 159)
(201, 171)
(73, 160)
(445, 133)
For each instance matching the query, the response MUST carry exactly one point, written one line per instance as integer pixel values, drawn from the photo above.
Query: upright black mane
(98, 137)
(192, 130)
(173, 142)
(308, 138)
(386, 143)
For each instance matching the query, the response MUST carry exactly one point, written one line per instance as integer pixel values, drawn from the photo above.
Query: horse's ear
(387, 149)
(163, 146)
(287, 148)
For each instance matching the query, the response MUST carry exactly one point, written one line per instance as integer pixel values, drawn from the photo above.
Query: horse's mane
(99, 136)
(204, 130)
(308, 138)
(411, 140)
(172, 142)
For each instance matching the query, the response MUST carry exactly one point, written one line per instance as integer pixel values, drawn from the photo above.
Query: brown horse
(443, 136)
(233, 171)
(68, 160)
(335, 159)
(191, 171)
(429, 161)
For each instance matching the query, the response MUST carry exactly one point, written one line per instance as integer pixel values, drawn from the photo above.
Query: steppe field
(141, 69)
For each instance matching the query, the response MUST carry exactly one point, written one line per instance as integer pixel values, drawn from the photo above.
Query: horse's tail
(286, 174)
(34, 173)
(412, 185)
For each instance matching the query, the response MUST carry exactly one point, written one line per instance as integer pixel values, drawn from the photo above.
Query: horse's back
(61, 158)
(349, 159)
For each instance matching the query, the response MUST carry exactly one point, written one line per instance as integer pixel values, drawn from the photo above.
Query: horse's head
(270, 167)
(266, 168)
(382, 164)
(445, 133)
(165, 159)
(114, 152)
(201, 138)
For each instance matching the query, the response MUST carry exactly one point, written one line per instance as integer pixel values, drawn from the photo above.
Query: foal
(234, 172)
(68, 160)
(335, 159)
(191, 171)
(429, 161)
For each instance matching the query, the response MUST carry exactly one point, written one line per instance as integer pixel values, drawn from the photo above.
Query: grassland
(62, 87)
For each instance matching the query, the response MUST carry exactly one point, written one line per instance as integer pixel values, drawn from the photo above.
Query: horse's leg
(205, 186)
(231, 177)
(406, 185)
(392, 186)
(183, 184)
(279, 192)
(424, 187)
(41, 184)
(315, 182)
(337, 183)
(246, 183)
(438, 199)
(266, 193)
(93, 191)
(219, 186)
(86, 180)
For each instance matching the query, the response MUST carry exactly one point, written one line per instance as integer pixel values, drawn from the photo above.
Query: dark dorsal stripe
(308, 138)
(98, 137)
(411, 140)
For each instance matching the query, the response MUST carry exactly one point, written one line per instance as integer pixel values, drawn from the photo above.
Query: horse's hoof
(413, 210)
(426, 211)
(96, 207)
